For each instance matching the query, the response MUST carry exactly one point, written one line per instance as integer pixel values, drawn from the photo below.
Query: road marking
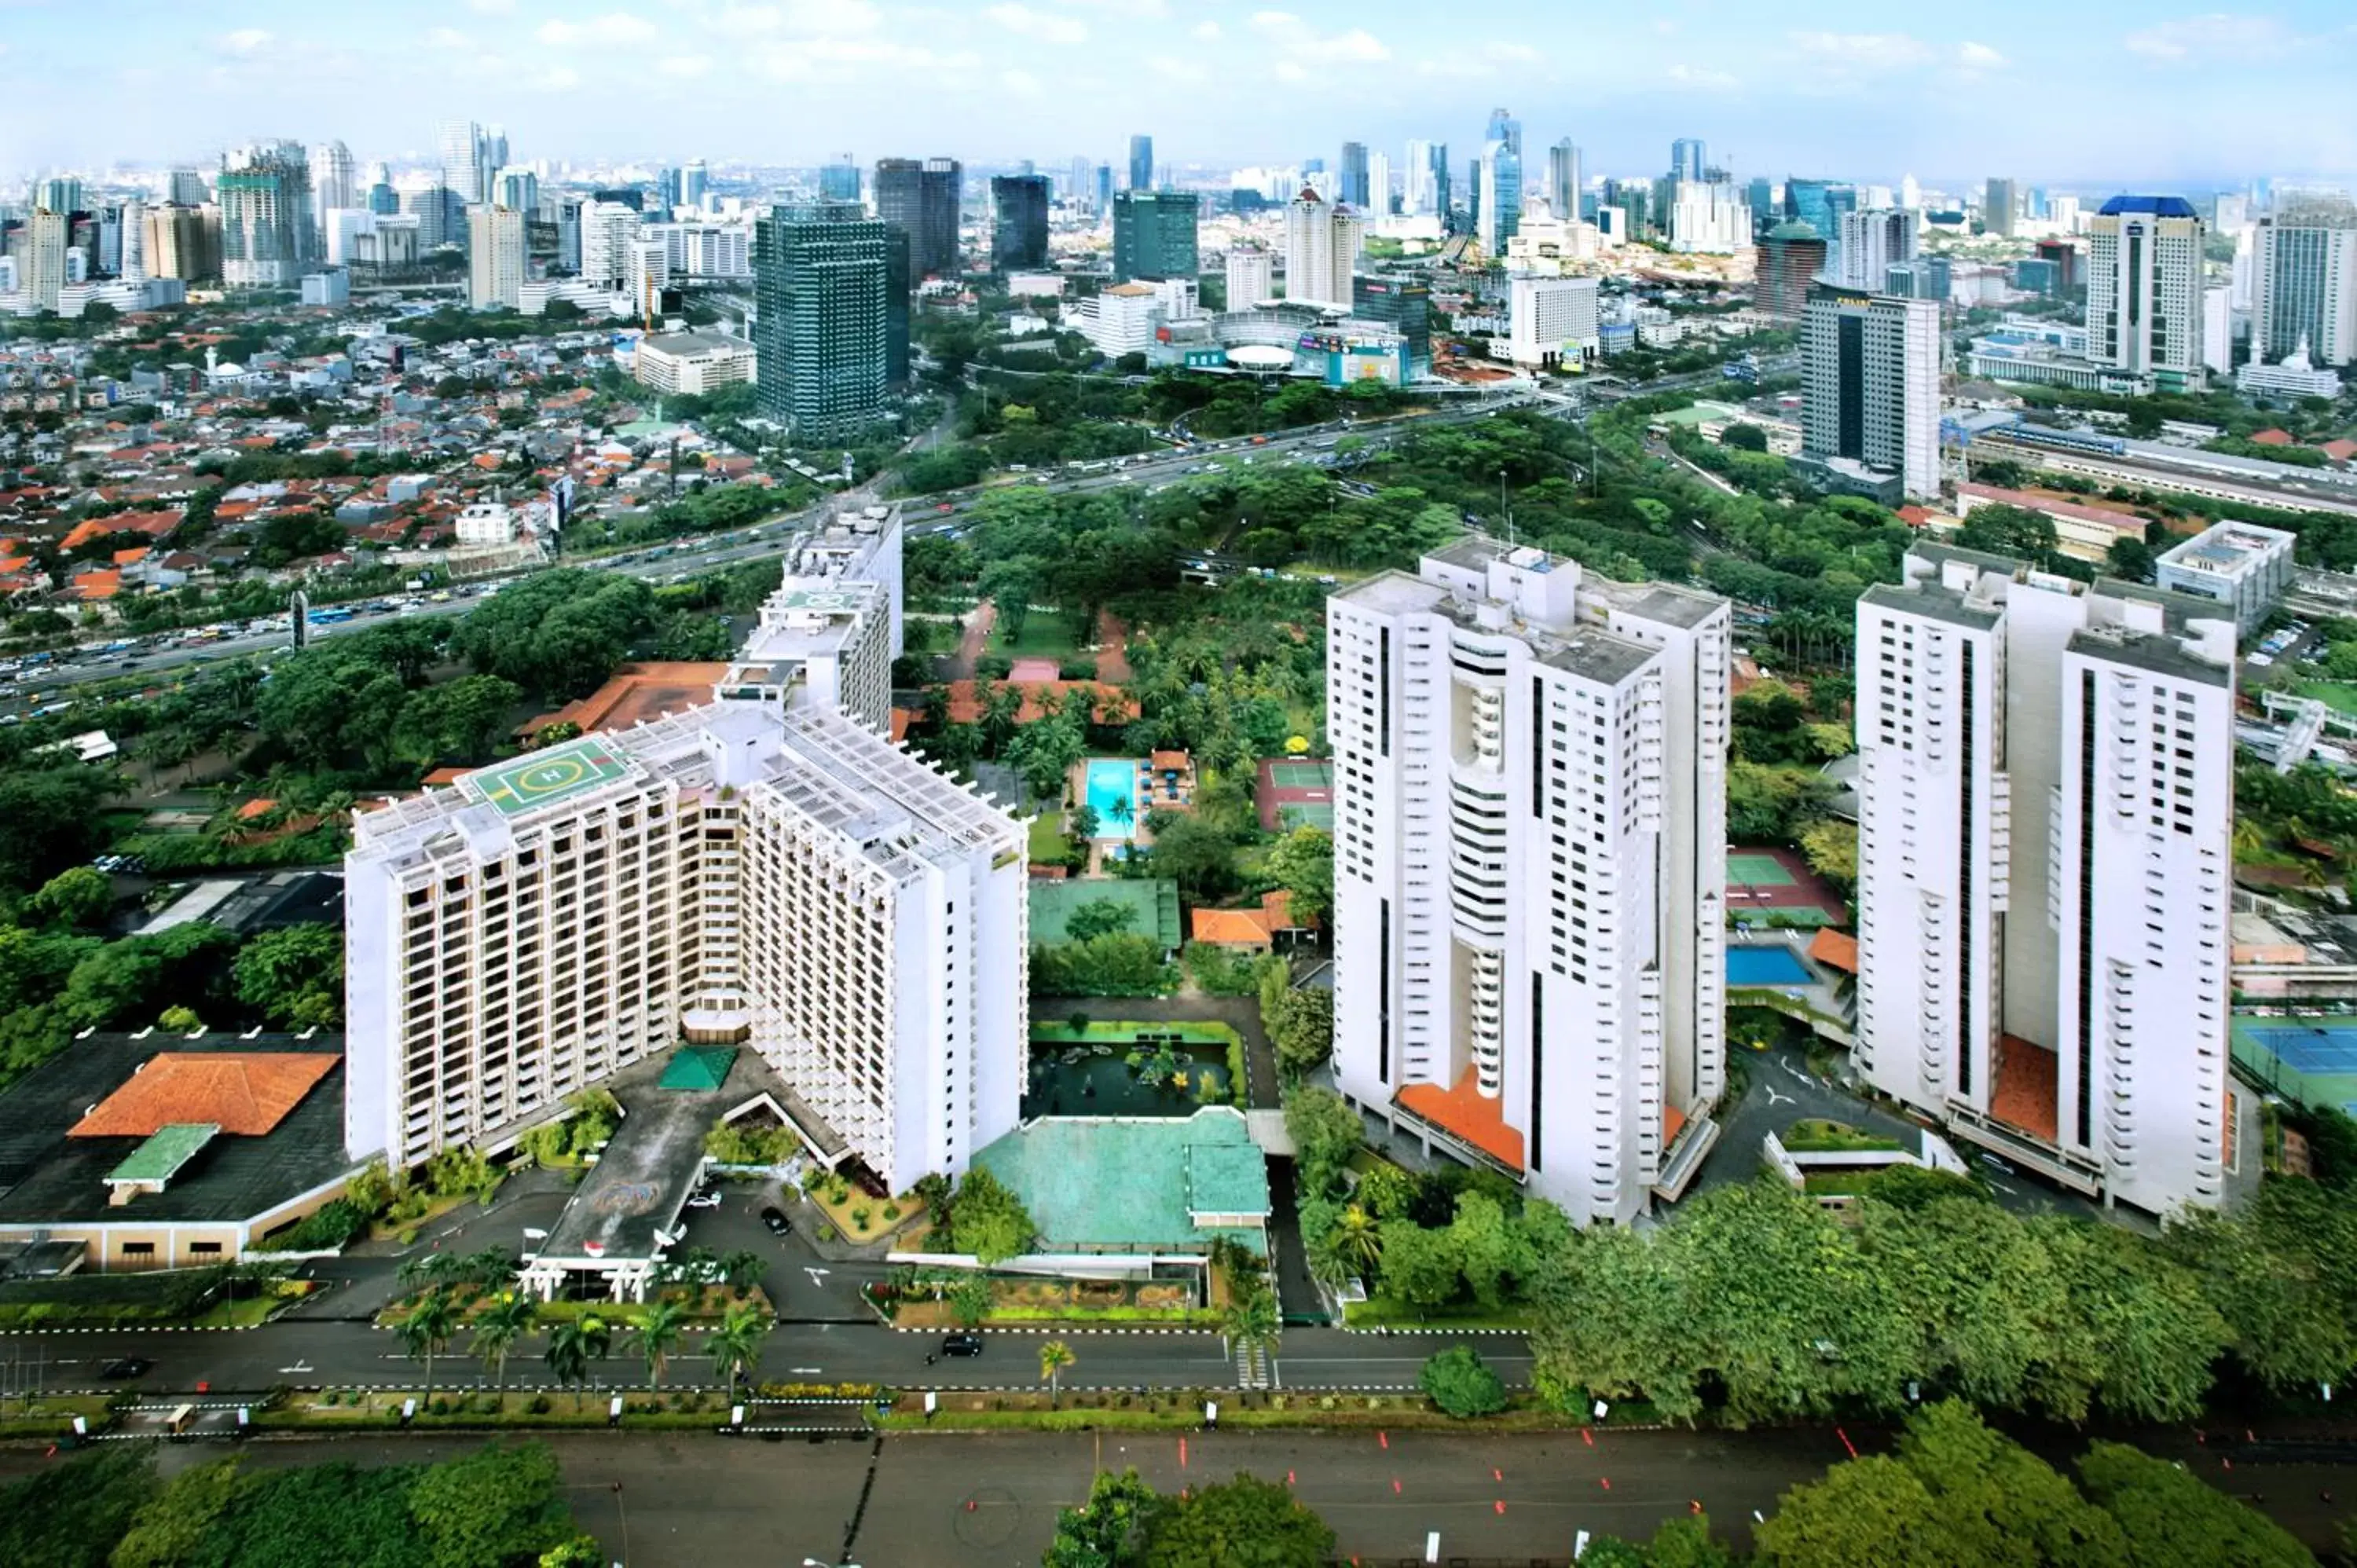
(1776, 1098)
(804, 1371)
(297, 1366)
(815, 1274)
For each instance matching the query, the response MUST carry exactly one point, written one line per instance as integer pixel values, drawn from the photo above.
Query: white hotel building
(2046, 808)
(1530, 868)
(756, 870)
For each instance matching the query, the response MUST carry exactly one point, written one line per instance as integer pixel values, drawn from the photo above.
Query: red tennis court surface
(1296, 792)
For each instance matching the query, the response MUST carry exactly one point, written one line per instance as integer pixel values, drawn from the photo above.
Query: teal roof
(1133, 1181)
(159, 1158)
(698, 1069)
(1154, 902)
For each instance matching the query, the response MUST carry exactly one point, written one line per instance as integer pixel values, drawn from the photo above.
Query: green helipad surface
(1090, 1181)
(165, 1151)
(536, 778)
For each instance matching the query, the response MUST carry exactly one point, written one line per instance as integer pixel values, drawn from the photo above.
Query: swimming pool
(1766, 966)
(1112, 779)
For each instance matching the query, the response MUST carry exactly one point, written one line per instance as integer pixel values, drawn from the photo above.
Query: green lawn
(1819, 1136)
(2341, 696)
(1056, 1031)
(1384, 1312)
(1044, 636)
(1049, 843)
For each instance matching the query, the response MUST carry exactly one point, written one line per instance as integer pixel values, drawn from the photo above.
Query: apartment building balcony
(1688, 1140)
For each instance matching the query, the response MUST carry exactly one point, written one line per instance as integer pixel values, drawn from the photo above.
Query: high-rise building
(822, 284)
(61, 194)
(899, 284)
(1379, 185)
(1403, 304)
(607, 229)
(335, 181)
(41, 258)
(1688, 156)
(1870, 389)
(1141, 163)
(694, 184)
(1564, 180)
(2144, 289)
(2046, 814)
(1819, 203)
(1552, 321)
(1870, 244)
(517, 188)
(1251, 276)
(441, 220)
(187, 189)
(1925, 277)
(2304, 282)
(1529, 871)
(1103, 203)
(2000, 205)
(1419, 191)
(1354, 191)
(1322, 248)
(1761, 196)
(839, 181)
(1788, 260)
(1018, 233)
(923, 198)
(267, 237)
(495, 257)
(1708, 216)
(383, 199)
(1154, 235)
(667, 191)
(1501, 183)
(131, 241)
(184, 242)
(461, 143)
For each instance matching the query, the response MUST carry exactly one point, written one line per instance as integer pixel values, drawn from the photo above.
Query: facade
(1251, 276)
(839, 181)
(2303, 284)
(1403, 304)
(2000, 205)
(693, 362)
(267, 239)
(1553, 321)
(1925, 277)
(1141, 163)
(1530, 868)
(1786, 264)
(2239, 566)
(1019, 233)
(823, 282)
(1564, 181)
(1870, 393)
(920, 197)
(1708, 216)
(1154, 235)
(335, 181)
(2295, 376)
(2045, 822)
(1871, 244)
(829, 631)
(1353, 190)
(788, 880)
(495, 257)
(2144, 289)
(1689, 157)
(41, 261)
(1121, 319)
(184, 242)
(609, 229)
(1322, 246)
(331, 287)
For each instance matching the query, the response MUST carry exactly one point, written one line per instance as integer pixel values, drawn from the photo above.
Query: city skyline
(1221, 84)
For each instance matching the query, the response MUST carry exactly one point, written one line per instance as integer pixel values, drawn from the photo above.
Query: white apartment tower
(1530, 868)
(1547, 315)
(1250, 276)
(2046, 811)
(335, 181)
(1871, 391)
(495, 257)
(1322, 247)
(830, 630)
(1870, 244)
(609, 229)
(41, 265)
(2144, 289)
(2303, 276)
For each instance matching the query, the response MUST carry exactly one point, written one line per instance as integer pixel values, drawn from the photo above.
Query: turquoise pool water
(1766, 966)
(1112, 779)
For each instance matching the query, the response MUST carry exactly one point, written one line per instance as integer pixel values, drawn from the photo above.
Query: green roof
(698, 1069)
(1134, 1181)
(159, 1158)
(1154, 903)
(526, 783)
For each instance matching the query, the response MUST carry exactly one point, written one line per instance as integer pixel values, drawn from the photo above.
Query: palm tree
(735, 1345)
(658, 1335)
(1120, 810)
(432, 1269)
(1054, 1357)
(572, 1346)
(497, 1331)
(742, 1269)
(1357, 1239)
(1250, 1321)
(427, 1330)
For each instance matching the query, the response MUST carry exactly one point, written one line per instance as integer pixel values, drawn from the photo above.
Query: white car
(704, 1200)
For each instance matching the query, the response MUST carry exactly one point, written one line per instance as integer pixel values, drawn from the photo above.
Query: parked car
(126, 1367)
(705, 1199)
(775, 1218)
(962, 1344)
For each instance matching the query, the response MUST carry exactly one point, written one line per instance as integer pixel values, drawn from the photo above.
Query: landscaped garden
(1124, 1068)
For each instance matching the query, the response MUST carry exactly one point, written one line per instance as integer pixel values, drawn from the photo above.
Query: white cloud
(1289, 71)
(1021, 83)
(2217, 35)
(803, 19)
(613, 28)
(1207, 31)
(491, 7)
(1287, 31)
(448, 39)
(1865, 52)
(1702, 78)
(1186, 72)
(554, 79)
(1980, 57)
(684, 68)
(1045, 26)
(246, 40)
(1486, 61)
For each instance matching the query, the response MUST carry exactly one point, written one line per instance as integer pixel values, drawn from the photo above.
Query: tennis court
(1296, 792)
(1306, 815)
(2327, 1048)
(1302, 775)
(2312, 1060)
(1757, 871)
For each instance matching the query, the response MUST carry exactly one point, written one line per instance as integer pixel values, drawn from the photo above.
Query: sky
(2059, 91)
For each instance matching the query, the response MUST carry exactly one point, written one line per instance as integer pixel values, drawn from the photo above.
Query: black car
(962, 1344)
(128, 1367)
(775, 1218)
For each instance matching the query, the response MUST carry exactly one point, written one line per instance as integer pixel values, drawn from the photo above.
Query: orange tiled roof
(255, 808)
(128, 557)
(2340, 451)
(242, 1093)
(1169, 762)
(1231, 928)
(2273, 438)
(1463, 1110)
(647, 688)
(1837, 948)
(98, 584)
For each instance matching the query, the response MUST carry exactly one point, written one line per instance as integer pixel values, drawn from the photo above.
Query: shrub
(1462, 1384)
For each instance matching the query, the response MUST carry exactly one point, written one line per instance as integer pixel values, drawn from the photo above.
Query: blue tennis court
(2309, 1049)
(1766, 966)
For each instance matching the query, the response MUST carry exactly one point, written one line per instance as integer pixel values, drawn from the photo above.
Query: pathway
(1113, 649)
(959, 666)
